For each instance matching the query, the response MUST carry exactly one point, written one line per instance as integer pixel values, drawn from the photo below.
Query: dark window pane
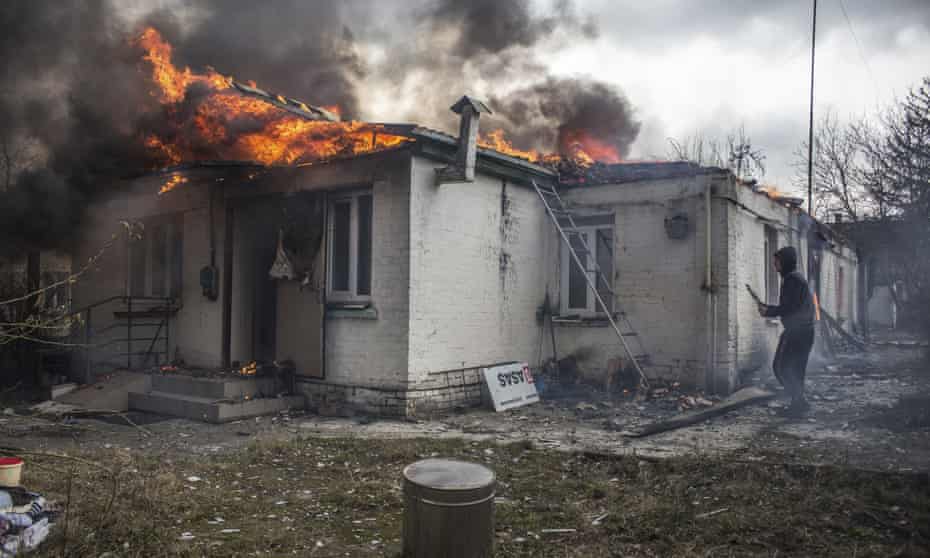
(342, 219)
(577, 287)
(159, 259)
(364, 245)
(605, 261)
(137, 265)
(177, 257)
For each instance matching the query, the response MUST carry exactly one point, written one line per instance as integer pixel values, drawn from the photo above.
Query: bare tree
(842, 170)
(899, 176)
(697, 149)
(735, 152)
(902, 156)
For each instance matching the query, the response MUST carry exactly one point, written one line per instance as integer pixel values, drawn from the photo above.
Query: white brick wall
(374, 352)
(459, 271)
(657, 279)
(196, 330)
(476, 269)
(198, 327)
(756, 338)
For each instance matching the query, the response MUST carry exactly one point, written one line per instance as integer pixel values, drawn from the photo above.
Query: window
(771, 274)
(576, 296)
(350, 247)
(155, 259)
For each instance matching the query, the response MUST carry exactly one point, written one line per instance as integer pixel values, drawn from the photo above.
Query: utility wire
(855, 37)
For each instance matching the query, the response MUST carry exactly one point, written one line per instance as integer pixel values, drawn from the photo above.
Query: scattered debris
(711, 513)
(25, 517)
(742, 398)
(57, 409)
(614, 425)
(582, 407)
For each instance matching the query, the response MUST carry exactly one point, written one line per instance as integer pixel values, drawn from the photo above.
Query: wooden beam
(742, 398)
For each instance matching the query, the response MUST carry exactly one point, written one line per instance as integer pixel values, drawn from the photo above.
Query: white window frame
(351, 295)
(772, 282)
(172, 229)
(567, 263)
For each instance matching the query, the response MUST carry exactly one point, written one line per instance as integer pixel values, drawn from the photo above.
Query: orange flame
(770, 192)
(495, 140)
(583, 153)
(223, 123)
(208, 117)
(588, 147)
(172, 182)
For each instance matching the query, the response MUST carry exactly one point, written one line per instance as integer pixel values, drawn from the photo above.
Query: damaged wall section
(478, 257)
(195, 332)
(657, 279)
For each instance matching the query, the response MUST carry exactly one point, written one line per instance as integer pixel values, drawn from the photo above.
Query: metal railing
(154, 312)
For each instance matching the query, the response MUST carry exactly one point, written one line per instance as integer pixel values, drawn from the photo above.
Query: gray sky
(708, 66)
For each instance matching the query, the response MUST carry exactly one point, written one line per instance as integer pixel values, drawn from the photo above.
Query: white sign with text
(511, 385)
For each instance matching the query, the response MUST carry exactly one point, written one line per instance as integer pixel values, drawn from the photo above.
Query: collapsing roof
(619, 173)
(299, 108)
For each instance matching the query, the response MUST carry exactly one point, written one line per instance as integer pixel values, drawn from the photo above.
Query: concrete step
(214, 388)
(208, 409)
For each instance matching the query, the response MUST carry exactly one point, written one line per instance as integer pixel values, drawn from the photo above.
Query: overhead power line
(865, 61)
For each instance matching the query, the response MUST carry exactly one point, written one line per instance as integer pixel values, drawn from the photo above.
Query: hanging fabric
(282, 268)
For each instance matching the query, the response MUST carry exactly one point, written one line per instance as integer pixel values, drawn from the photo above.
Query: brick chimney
(463, 169)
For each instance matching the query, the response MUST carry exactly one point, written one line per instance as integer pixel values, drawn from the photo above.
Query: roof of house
(601, 173)
(286, 103)
(417, 132)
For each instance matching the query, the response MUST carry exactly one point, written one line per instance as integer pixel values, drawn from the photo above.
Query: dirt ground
(852, 479)
(869, 411)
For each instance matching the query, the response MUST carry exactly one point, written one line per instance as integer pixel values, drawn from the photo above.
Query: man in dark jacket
(796, 310)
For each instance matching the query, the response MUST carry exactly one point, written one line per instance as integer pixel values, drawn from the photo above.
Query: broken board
(742, 398)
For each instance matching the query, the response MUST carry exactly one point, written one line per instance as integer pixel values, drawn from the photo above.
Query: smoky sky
(493, 27)
(76, 89)
(70, 100)
(573, 104)
(298, 48)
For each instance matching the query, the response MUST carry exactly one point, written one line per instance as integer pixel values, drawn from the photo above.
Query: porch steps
(216, 388)
(214, 400)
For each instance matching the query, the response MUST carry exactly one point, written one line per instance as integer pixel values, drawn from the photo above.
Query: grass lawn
(342, 497)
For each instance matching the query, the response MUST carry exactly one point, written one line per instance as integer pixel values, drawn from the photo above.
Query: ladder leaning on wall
(569, 232)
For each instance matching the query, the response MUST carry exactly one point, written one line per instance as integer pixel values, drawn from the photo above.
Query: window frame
(840, 292)
(772, 284)
(567, 263)
(351, 295)
(172, 272)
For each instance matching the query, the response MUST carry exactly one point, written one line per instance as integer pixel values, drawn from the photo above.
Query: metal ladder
(556, 210)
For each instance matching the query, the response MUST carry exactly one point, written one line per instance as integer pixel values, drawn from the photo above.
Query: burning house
(386, 264)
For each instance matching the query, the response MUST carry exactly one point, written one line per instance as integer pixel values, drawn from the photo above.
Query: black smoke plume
(76, 102)
(555, 111)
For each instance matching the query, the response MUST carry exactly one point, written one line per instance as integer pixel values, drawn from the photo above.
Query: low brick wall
(442, 392)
